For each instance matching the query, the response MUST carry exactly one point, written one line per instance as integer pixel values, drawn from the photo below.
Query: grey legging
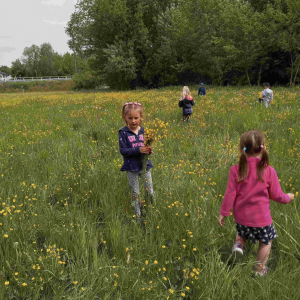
(133, 180)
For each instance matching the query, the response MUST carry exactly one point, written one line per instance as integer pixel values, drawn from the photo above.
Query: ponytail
(264, 162)
(243, 167)
(252, 144)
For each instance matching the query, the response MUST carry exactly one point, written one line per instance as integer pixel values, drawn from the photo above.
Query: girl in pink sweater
(250, 186)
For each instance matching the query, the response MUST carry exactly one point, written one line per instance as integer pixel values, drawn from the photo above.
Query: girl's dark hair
(251, 143)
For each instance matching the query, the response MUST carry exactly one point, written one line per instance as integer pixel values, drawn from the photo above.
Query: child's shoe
(238, 248)
(262, 273)
(151, 199)
(135, 207)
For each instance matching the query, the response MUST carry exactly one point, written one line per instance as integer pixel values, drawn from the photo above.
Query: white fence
(45, 78)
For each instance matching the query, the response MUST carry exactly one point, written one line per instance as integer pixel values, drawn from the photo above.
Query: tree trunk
(298, 65)
(292, 67)
(259, 75)
(75, 62)
(248, 77)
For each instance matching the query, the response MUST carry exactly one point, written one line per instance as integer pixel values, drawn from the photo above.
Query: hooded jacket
(130, 143)
(201, 91)
(186, 105)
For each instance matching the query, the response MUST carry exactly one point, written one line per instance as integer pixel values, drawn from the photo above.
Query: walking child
(267, 94)
(251, 185)
(201, 91)
(131, 142)
(186, 102)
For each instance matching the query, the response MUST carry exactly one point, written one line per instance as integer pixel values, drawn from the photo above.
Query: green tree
(289, 36)
(5, 69)
(64, 64)
(120, 68)
(30, 59)
(154, 43)
(46, 61)
(107, 30)
(18, 69)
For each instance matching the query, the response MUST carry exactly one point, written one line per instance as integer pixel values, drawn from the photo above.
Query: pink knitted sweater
(250, 199)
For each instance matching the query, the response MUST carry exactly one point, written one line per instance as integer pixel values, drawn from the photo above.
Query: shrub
(36, 86)
(86, 80)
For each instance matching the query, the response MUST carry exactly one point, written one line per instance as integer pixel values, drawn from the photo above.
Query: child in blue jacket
(131, 142)
(201, 90)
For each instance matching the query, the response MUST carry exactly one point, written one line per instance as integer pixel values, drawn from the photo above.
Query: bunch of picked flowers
(154, 131)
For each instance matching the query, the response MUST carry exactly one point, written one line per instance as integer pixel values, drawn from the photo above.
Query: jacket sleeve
(198, 91)
(180, 103)
(275, 190)
(125, 150)
(193, 102)
(230, 194)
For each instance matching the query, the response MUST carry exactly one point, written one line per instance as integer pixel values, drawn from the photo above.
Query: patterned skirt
(263, 234)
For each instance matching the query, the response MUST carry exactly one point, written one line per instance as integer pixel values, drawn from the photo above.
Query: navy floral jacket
(130, 143)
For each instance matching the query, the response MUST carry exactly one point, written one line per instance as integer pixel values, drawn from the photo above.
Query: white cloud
(51, 22)
(54, 2)
(58, 2)
(7, 49)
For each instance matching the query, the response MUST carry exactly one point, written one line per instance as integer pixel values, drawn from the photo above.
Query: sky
(27, 22)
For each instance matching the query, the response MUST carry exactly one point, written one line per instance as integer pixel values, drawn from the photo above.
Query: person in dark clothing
(186, 102)
(201, 90)
(132, 148)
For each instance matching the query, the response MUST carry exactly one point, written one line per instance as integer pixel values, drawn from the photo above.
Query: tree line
(38, 61)
(154, 43)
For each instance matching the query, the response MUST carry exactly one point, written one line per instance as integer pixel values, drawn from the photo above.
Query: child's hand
(292, 196)
(145, 150)
(221, 220)
(150, 149)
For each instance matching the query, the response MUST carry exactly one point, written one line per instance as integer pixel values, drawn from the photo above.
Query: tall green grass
(66, 227)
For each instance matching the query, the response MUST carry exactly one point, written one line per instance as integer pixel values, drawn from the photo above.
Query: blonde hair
(185, 91)
(129, 107)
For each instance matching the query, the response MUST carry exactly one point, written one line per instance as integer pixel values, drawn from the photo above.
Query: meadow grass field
(67, 231)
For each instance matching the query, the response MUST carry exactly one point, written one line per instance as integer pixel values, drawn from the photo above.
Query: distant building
(4, 76)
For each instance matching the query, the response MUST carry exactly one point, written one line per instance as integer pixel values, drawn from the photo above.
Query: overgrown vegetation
(158, 43)
(36, 86)
(65, 222)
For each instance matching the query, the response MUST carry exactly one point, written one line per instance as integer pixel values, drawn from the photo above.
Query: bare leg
(263, 253)
(240, 240)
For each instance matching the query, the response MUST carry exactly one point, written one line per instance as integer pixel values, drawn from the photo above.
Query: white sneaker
(238, 248)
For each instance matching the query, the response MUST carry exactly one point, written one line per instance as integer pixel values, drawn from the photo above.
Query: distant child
(186, 102)
(201, 90)
(267, 94)
(251, 185)
(131, 142)
(260, 97)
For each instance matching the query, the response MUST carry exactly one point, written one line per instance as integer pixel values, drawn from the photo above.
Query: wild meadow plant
(67, 232)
